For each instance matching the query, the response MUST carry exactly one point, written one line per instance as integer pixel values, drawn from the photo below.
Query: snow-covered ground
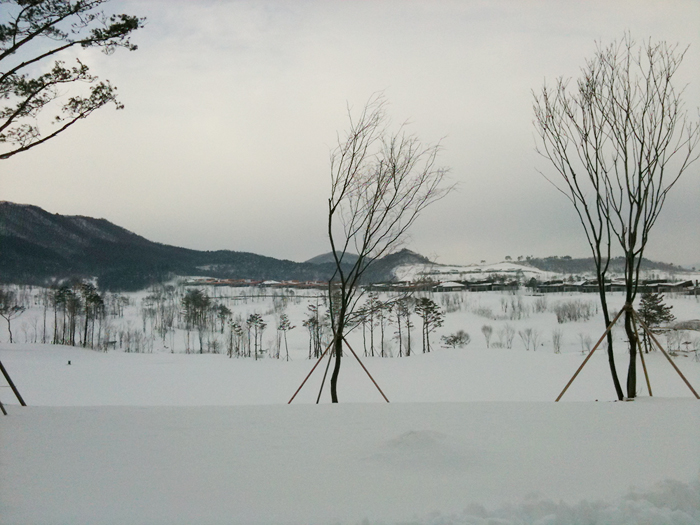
(471, 436)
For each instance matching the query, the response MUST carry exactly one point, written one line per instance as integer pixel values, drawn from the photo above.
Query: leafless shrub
(451, 302)
(673, 340)
(506, 336)
(530, 338)
(518, 309)
(484, 311)
(514, 308)
(540, 304)
(536, 339)
(557, 336)
(135, 341)
(572, 311)
(487, 330)
(586, 342)
(459, 339)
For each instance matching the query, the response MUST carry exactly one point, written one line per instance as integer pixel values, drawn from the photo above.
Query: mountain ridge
(38, 247)
(41, 248)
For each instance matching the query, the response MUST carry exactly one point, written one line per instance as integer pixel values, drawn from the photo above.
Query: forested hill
(37, 247)
(569, 265)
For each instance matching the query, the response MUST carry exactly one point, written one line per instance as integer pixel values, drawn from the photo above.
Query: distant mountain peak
(326, 258)
(406, 256)
(398, 258)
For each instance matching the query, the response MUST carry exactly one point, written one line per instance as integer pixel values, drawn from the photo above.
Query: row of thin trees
(380, 322)
(78, 315)
(72, 315)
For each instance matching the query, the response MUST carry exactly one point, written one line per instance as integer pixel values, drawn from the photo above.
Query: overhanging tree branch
(53, 27)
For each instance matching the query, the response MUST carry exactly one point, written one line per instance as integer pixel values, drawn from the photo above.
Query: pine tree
(654, 312)
(255, 324)
(284, 326)
(32, 34)
(432, 318)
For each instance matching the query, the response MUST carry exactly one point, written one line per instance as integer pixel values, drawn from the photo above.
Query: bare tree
(10, 308)
(619, 142)
(380, 183)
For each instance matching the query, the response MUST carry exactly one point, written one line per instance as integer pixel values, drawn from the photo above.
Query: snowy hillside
(474, 272)
(521, 272)
(471, 436)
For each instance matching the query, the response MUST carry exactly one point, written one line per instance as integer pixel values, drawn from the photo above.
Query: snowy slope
(474, 272)
(514, 270)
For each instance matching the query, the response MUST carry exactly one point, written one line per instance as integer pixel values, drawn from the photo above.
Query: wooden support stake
(12, 385)
(641, 355)
(366, 371)
(324, 375)
(2, 407)
(651, 335)
(309, 375)
(591, 353)
(323, 381)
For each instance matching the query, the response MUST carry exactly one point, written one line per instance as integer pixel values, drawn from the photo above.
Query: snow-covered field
(471, 436)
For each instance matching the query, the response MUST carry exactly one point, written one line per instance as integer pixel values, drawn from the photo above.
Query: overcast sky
(232, 108)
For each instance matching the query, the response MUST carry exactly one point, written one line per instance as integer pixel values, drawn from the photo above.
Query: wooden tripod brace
(635, 320)
(12, 386)
(326, 372)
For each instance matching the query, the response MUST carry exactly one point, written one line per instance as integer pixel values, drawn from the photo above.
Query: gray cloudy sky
(232, 108)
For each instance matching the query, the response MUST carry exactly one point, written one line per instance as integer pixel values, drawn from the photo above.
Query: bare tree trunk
(408, 337)
(398, 322)
(338, 351)
(9, 328)
(364, 336)
(87, 320)
(43, 334)
(338, 329)
(632, 369)
(611, 355)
